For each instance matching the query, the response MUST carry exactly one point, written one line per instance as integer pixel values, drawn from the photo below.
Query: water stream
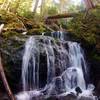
(65, 64)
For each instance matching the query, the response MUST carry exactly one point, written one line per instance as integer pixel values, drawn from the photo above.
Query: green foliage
(96, 57)
(37, 31)
(23, 8)
(74, 8)
(27, 14)
(86, 27)
(10, 33)
(52, 10)
(14, 24)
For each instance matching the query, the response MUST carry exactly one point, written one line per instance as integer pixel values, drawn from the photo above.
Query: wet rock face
(95, 75)
(65, 97)
(43, 70)
(68, 97)
(93, 60)
(11, 52)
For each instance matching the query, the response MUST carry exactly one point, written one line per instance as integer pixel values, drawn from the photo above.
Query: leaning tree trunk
(2, 74)
(42, 7)
(89, 4)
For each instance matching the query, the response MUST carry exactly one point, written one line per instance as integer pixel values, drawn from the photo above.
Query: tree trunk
(35, 6)
(42, 7)
(5, 82)
(89, 4)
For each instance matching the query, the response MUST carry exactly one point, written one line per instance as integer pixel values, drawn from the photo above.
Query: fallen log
(3, 77)
(67, 15)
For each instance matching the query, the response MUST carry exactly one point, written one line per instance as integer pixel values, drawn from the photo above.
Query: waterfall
(30, 65)
(50, 61)
(65, 64)
(1, 27)
(58, 35)
(77, 63)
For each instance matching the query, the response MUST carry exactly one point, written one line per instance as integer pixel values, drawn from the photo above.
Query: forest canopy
(43, 7)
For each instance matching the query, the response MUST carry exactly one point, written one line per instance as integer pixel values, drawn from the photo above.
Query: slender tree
(42, 7)
(89, 4)
(62, 3)
(35, 6)
(2, 74)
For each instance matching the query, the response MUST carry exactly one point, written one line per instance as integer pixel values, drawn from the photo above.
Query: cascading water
(65, 63)
(58, 35)
(30, 65)
(50, 61)
(76, 60)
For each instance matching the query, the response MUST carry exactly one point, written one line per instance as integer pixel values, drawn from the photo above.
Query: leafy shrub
(86, 27)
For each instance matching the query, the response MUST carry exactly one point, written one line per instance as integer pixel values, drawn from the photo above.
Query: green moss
(8, 34)
(15, 24)
(96, 57)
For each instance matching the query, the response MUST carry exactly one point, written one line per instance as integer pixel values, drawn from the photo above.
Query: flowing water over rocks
(65, 72)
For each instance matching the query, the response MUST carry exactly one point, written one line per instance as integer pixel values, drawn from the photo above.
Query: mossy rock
(11, 51)
(16, 25)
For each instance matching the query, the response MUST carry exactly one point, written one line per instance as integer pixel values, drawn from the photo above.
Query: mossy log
(67, 15)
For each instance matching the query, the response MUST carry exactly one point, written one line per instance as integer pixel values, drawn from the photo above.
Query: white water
(77, 62)
(50, 61)
(58, 35)
(30, 65)
(1, 27)
(66, 68)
